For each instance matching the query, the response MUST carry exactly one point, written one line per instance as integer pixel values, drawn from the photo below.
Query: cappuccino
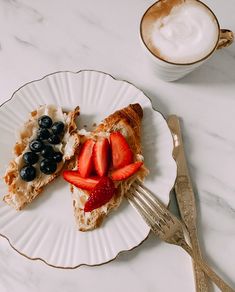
(180, 31)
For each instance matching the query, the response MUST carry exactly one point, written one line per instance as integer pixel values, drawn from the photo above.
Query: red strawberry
(85, 158)
(101, 194)
(121, 151)
(101, 155)
(74, 178)
(126, 171)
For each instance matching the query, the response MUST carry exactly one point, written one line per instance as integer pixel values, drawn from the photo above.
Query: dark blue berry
(45, 122)
(28, 173)
(48, 151)
(36, 146)
(48, 166)
(57, 128)
(57, 156)
(30, 158)
(54, 139)
(43, 134)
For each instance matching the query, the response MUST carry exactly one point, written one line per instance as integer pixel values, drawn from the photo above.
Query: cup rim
(174, 63)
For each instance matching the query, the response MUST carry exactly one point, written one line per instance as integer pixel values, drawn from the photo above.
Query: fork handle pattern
(187, 207)
(201, 281)
(224, 287)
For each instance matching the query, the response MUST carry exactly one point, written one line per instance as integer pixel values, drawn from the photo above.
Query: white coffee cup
(164, 42)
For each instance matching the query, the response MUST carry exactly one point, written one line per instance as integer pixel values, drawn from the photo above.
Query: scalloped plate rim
(122, 251)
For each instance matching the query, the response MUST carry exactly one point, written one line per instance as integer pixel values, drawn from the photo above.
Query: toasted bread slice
(128, 122)
(20, 193)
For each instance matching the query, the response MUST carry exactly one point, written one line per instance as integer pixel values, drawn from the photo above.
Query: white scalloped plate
(46, 230)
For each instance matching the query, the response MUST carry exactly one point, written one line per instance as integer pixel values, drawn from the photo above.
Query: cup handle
(226, 38)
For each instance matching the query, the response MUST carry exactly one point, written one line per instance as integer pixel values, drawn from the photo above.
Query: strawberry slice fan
(94, 155)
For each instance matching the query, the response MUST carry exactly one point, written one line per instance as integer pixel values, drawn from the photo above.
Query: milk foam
(187, 34)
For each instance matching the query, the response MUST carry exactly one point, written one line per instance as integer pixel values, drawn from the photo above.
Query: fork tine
(151, 217)
(159, 206)
(155, 211)
(142, 205)
(155, 204)
(138, 207)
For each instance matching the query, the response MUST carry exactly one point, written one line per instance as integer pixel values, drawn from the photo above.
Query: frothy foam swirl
(187, 34)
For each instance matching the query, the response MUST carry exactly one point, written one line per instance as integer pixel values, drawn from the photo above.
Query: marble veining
(14, 4)
(23, 42)
(40, 37)
(214, 200)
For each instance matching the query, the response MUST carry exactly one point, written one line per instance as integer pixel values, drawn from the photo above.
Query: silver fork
(167, 227)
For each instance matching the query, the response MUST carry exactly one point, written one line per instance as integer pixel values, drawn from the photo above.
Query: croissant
(128, 122)
(20, 192)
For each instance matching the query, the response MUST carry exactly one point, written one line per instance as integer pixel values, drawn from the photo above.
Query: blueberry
(57, 128)
(54, 139)
(28, 173)
(36, 145)
(48, 166)
(43, 134)
(57, 156)
(30, 158)
(48, 151)
(45, 122)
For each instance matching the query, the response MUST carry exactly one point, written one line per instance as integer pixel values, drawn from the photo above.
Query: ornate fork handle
(168, 228)
(178, 239)
(200, 278)
(186, 203)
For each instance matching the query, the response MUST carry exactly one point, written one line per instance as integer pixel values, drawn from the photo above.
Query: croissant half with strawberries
(109, 160)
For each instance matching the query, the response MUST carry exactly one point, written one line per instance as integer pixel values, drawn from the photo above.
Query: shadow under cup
(168, 70)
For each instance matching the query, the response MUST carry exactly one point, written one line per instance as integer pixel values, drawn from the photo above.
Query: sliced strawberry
(85, 158)
(121, 151)
(74, 178)
(101, 155)
(100, 195)
(126, 171)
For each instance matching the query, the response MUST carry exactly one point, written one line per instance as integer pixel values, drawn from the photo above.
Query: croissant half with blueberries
(47, 140)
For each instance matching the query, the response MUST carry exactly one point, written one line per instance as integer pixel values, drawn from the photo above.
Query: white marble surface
(40, 37)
